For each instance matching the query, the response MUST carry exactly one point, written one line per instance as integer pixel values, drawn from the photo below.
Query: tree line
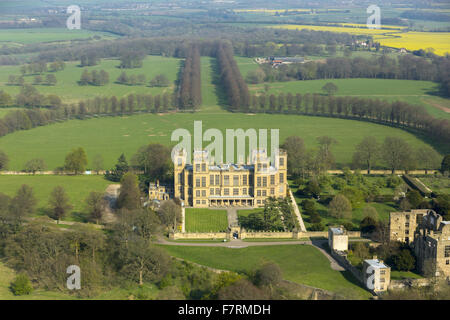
(395, 113)
(190, 94)
(406, 67)
(231, 78)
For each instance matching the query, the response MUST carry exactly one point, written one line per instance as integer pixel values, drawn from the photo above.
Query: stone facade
(159, 192)
(205, 184)
(377, 275)
(403, 225)
(338, 238)
(432, 246)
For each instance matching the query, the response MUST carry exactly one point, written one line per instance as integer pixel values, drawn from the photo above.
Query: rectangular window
(264, 193)
(197, 193)
(203, 193)
(235, 180)
(211, 191)
(244, 191)
(272, 191)
(226, 192)
(203, 201)
(258, 182)
(259, 167)
(281, 178)
(382, 272)
(197, 182)
(258, 193)
(197, 202)
(217, 179)
(197, 167)
(244, 180)
(264, 181)
(203, 167)
(447, 251)
(235, 191)
(281, 162)
(211, 179)
(272, 179)
(203, 182)
(226, 180)
(217, 192)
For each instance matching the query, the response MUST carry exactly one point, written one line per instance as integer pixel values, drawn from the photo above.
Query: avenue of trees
(94, 77)
(231, 78)
(190, 94)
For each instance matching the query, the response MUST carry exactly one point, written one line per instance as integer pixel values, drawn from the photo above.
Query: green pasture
(299, 263)
(76, 187)
(69, 90)
(206, 220)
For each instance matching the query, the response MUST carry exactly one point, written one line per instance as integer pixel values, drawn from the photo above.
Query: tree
(371, 212)
(330, 88)
(340, 207)
(366, 152)
(21, 285)
(50, 79)
(295, 148)
(97, 163)
(59, 203)
(414, 198)
(404, 261)
(368, 225)
(35, 165)
(428, 158)
(269, 274)
(313, 188)
(154, 159)
(130, 195)
(95, 205)
(325, 158)
(170, 214)
(76, 161)
(24, 202)
(445, 164)
(404, 205)
(241, 290)
(119, 170)
(4, 160)
(396, 153)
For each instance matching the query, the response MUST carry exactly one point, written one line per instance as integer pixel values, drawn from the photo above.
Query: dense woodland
(190, 94)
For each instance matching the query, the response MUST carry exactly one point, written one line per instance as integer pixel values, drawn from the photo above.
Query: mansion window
(203, 182)
(203, 167)
(211, 179)
(281, 178)
(217, 192)
(226, 192)
(211, 191)
(197, 182)
(203, 193)
(197, 167)
(197, 193)
(272, 179)
(264, 193)
(197, 201)
(226, 180)
(447, 251)
(281, 162)
(244, 191)
(272, 191)
(217, 179)
(264, 181)
(235, 191)
(258, 182)
(259, 167)
(258, 193)
(244, 180)
(235, 180)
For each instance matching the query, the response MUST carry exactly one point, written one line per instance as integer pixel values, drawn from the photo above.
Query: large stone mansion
(206, 184)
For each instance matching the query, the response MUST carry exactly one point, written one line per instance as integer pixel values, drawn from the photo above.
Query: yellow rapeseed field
(439, 41)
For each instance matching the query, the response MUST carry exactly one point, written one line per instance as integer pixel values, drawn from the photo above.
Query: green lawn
(438, 184)
(68, 89)
(400, 275)
(206, 220)
(410, 91)
(34, 35)
(112, 136)
(300, 263)
(77, 188)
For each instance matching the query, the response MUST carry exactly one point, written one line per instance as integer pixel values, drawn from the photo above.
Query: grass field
(300, 263)
(68, 89)
(410, 91)
(34, 35)
(77, 188)
(206, 220)
(113, 136)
